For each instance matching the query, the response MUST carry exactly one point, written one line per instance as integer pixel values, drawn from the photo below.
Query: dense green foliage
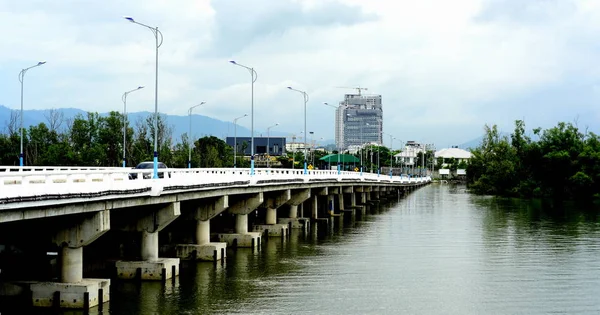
(563, 164)
(95, 140)
(92, 140)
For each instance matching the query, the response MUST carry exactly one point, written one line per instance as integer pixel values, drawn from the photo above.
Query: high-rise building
(358, 121)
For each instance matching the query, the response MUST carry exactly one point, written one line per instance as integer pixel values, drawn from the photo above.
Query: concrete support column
(353, 199)
(201, 213)
(149, 250)
(241, 223)
(74, 291)
(71, 270)
(330, 204)
(202, 232)
(341, 201)
(151, 267)
(271, 216)
(293, 212)
(315, 207)
(363, 198)
(296, 218)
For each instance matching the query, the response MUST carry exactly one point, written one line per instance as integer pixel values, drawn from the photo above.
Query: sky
(444, 68)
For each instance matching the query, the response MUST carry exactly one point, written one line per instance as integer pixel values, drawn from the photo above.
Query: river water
(439, 250)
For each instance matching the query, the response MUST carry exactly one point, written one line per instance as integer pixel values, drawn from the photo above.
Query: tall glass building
(358, 121)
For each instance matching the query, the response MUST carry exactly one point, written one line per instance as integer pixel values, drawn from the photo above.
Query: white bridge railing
(29, 182)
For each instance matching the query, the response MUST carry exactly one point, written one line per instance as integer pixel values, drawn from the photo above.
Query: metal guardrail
(27, 182)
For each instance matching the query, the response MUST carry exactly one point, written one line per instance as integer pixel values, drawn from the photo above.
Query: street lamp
(305, 95)
(21, 79)
(391, 153)
(312, 147)
(254, 76)
(315, 149)
(190, 135)
(124, 98)
(339, 162)
(235, 140)
(378, 151)
(268, 147)
(362, 146)
(156, 33)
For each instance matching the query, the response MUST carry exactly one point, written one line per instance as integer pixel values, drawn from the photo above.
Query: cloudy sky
(443, 68)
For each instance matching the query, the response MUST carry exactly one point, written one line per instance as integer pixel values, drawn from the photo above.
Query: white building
(453, 153)
(408, 155)
(459, 155)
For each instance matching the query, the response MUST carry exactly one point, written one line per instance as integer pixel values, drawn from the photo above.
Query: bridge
(117, 214)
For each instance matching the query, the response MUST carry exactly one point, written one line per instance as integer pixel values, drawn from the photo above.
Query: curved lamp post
(156, 33)
(190, 135)
(305, 95)
(235, 140)
(391, 154)
(339, 161)
(268, 138)
(254, 76)
(124, 99)
(21, 79)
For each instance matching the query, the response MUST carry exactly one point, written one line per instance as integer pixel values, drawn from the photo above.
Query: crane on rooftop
(358, 88)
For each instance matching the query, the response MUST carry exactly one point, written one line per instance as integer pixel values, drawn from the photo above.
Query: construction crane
(359, 89)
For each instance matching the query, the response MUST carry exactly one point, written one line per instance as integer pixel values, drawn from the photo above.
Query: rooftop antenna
(358, 88)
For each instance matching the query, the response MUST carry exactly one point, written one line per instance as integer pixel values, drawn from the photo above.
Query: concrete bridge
(49, 215)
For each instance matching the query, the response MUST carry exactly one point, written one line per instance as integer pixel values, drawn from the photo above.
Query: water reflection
(438, 250)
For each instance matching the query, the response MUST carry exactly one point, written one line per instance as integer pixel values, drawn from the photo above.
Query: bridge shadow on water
(221, 287)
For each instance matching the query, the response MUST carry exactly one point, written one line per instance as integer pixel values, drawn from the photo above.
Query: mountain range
(202, 125)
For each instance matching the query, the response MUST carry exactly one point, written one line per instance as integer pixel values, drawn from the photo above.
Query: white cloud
(443, 67)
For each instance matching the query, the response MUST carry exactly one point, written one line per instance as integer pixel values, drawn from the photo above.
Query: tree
(55, 119)
(214, 152)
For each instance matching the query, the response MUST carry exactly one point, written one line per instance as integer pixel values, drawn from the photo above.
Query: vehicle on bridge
(150, 166)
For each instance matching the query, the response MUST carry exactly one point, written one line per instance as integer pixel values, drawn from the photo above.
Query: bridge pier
(375, 193)
(241, 208)
(204, 249)
(151, 267)
(297, 197)
(271, 227)
(74, 291)
(319, 211)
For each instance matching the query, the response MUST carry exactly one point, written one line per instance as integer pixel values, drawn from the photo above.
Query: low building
(408, 156)
(276, 145)
(459, 155)
(456, 154)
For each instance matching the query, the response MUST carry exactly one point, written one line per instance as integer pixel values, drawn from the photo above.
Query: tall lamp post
(339, 149)
(124, 98)
(235, 140)
(156, 33)
(362, 146)
(21, 79)
(268, 147)
(254, 76)
(378, 151)
(391, 153)
(312, 147)
(305, 95)
(190, 135)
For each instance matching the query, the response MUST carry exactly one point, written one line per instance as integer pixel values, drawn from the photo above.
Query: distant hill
(202, 125)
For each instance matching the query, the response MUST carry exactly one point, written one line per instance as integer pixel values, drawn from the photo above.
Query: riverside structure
(118, 213)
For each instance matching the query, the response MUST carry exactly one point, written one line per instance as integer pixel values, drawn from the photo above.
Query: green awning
(344, 158)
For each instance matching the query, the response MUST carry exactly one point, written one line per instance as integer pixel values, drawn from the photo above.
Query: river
(439, 250)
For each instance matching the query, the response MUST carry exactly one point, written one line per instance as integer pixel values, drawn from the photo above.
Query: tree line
(90, 140)
(563, 163)
(97, 140)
